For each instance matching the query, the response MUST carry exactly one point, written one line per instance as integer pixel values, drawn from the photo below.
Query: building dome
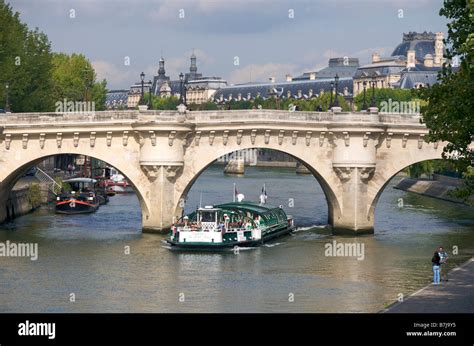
(422, 44)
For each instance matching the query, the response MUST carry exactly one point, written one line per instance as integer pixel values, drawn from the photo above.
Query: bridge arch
(205, 157)
(10, 173)
(382, 177)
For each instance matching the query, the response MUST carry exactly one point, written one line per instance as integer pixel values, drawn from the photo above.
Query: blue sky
(269, 37)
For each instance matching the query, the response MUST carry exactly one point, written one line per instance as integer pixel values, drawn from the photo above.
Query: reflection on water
(84, 255)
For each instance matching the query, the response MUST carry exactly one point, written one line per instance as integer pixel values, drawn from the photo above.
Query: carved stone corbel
(153, 138)
(173, 172)
(8, 140)
(239, 136)
(405, 139)
(281, 135)
(321, 138)
(331, 137)
(109, 138)
(42, 138)
(92, 139)
(125, 138)
(225, 137)
(294, 137)
(212, 135)
(253, 135)
(366, 173)
(59, 139)
(267, 136)
(25, 141)
(346, 137)
(366, 138)
(171, 138)
(197, 138)
(344, 173)
(389, 139)
(151, 171)
(308, 138)
(421, 139)
(75, 139)
(139, 138)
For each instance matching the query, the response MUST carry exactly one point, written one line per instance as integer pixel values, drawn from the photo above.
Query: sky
(239, 40)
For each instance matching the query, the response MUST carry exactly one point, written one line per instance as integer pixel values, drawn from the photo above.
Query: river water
(85, 255)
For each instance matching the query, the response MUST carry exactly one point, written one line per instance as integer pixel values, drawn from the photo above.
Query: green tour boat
(228, 225)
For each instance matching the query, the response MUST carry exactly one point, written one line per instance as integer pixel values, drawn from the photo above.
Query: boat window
(208, 216)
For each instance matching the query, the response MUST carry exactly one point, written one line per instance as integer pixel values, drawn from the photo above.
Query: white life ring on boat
(72, 204)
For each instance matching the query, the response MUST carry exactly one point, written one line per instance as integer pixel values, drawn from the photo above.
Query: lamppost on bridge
(330, 100)
(372, 102)
(142, 98)
(181, 80)
(364, 104)
(149, 100)
(336, 81)
(7, 103)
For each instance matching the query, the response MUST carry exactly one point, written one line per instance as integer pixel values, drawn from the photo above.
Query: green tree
(25, 64)
(449, 111)
(383, 96)
(162, 103)
(74, 79)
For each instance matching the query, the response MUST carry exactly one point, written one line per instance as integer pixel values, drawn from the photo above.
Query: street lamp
(7, 104)
(142, 98)
(149, 100)
(330, 102)
(336, 81)
(181, 79)
(372, 102)
(364, 104)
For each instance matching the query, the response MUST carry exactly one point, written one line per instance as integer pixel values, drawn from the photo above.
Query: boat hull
(76, 207)
(232, 244)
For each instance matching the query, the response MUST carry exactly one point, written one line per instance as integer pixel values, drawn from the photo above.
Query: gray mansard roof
(116, 98)
(264, 90)
(343, 67)
(412, 79)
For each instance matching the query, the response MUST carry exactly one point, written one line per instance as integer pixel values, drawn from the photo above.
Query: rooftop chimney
(272, 79)
(411, 58)
(375, 57)
(428, 62)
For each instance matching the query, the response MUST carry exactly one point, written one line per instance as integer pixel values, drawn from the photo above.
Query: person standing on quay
(443, 261)
(435, 260)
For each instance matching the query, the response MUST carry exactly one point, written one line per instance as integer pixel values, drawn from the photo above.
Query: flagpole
(234, 192)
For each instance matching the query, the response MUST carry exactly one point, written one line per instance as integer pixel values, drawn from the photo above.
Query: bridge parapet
(197, 117)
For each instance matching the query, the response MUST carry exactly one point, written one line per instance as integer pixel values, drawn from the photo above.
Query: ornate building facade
(414, 63)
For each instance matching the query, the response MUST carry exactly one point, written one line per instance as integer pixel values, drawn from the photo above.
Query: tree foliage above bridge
(37, 77)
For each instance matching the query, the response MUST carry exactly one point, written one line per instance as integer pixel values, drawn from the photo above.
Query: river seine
(82, 264)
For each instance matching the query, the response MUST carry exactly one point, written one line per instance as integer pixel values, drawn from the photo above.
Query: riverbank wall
(439, 187)
(22, 200)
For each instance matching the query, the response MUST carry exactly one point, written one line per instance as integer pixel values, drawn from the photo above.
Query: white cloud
(261, 72)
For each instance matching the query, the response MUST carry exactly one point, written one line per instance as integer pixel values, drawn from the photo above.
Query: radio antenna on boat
(200, 200)
(235, 192)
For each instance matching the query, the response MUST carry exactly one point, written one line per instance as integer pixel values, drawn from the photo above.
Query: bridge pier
(354, 160)
(356, 217)
(162, 161)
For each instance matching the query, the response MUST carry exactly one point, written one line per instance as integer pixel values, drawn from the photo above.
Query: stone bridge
(352, 155)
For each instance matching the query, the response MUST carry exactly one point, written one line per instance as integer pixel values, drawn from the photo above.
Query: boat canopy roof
(80, 180)
(248, 206)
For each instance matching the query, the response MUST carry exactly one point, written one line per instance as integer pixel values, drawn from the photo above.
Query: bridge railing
(224, 116)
